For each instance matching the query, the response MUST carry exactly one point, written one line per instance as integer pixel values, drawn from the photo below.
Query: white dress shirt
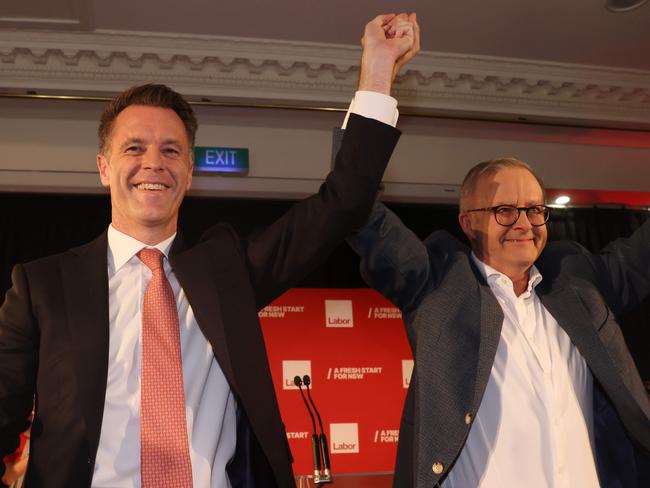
(211, 409)
(534, 427)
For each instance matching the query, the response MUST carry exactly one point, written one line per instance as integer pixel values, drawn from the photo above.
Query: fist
(389, 41)
(392, 35)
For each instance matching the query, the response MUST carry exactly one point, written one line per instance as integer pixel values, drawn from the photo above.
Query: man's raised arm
(286, 251)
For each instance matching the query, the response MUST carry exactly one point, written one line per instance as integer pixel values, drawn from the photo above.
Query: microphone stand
(326, 476)
(314, 438)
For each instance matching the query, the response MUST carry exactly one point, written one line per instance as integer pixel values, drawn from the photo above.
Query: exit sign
(221, 160)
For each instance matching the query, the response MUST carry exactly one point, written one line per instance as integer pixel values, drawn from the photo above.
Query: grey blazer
(453, 323)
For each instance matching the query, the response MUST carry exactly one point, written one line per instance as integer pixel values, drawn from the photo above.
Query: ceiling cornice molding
(244, 69)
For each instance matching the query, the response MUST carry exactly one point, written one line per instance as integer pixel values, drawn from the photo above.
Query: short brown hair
(488, 167)
(152, 95)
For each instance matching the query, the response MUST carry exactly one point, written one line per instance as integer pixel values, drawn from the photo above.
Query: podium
(351, 480)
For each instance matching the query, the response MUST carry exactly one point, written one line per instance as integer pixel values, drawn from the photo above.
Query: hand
(13, 471)
(389, 42)
(404, 26)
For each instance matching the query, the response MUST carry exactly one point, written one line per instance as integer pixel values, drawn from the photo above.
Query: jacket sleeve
(623, 269)
(286, 251)
(393, 259)
(18, 363)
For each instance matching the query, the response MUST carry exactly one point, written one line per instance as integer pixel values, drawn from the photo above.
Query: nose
(152, 159)
(522, 222)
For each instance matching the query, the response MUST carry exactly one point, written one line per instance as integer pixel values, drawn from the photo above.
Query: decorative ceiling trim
(243, 69)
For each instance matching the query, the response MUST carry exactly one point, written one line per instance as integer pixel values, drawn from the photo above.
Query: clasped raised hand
(389, 42)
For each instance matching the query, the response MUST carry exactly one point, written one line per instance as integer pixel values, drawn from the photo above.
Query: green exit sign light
(233, 160)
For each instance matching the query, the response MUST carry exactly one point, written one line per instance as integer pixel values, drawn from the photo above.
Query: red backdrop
(353, 345)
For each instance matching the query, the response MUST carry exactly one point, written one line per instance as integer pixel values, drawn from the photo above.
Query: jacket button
(468, 418)
(437, 468)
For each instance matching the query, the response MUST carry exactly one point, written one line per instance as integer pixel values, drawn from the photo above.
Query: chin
(521, 254)
(153, 220)
(526, 261)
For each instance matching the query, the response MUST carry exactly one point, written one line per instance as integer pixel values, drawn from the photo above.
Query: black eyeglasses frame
(546, 212)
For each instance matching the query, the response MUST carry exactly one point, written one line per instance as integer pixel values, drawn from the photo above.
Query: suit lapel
(85, 285)
(471, 341)
(197, 280)
(568, 308)
(491, 325)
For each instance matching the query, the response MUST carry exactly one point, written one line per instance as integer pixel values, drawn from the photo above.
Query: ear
(104, 170)
(465, 221)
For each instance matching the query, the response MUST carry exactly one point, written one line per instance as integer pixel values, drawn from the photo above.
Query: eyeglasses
(508, 215)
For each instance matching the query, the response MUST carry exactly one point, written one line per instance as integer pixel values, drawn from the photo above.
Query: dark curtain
(595, 227)
(35, 225)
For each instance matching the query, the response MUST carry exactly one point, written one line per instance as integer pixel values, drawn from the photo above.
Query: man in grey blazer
(522, 376)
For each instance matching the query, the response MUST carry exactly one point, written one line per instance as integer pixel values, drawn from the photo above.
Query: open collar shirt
(534, 427)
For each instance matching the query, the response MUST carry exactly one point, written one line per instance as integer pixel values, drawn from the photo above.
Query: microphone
(314, 438)
(324, 448)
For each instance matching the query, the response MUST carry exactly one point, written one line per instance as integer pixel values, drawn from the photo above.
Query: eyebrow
(174, 142)
(133, 140)
(137, 140)
(530, 203)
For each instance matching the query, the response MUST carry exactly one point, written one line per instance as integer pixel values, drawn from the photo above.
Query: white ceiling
(573, 31)
(567, 62)
(564, 61)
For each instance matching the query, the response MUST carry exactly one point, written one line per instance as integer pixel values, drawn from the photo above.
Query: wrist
(375, 86)
(376, 76)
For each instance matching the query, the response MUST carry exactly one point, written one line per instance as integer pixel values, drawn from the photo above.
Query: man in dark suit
(74, 329)
(521, 376)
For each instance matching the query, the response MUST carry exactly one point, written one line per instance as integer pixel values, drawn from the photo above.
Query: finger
(404, 29)
(375, 27)
(413, 37)
(400, 17)
(397, 19)
(414, 48)
(379, 22)
(382, 19)
(401, 22)
(416, 33)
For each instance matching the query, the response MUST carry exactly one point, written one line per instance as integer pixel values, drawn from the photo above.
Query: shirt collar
(492, 276)
(122, 247)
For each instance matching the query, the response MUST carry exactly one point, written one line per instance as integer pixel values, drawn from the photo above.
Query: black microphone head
(306, 380)
(297, 381)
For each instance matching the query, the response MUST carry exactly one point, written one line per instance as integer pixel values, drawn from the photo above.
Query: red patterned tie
(164, 451)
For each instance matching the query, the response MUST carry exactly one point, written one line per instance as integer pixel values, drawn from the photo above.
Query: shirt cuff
(373, 105)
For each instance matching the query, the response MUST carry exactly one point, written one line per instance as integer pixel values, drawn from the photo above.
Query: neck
(518, 275)
(520, 283)
(146, 235)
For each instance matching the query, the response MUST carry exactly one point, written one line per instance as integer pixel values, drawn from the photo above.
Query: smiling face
(510, 250)
(148, 169)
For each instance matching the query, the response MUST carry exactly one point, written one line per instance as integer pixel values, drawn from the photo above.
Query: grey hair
(490, 167)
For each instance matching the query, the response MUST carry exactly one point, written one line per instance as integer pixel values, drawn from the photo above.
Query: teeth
(151, 186)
